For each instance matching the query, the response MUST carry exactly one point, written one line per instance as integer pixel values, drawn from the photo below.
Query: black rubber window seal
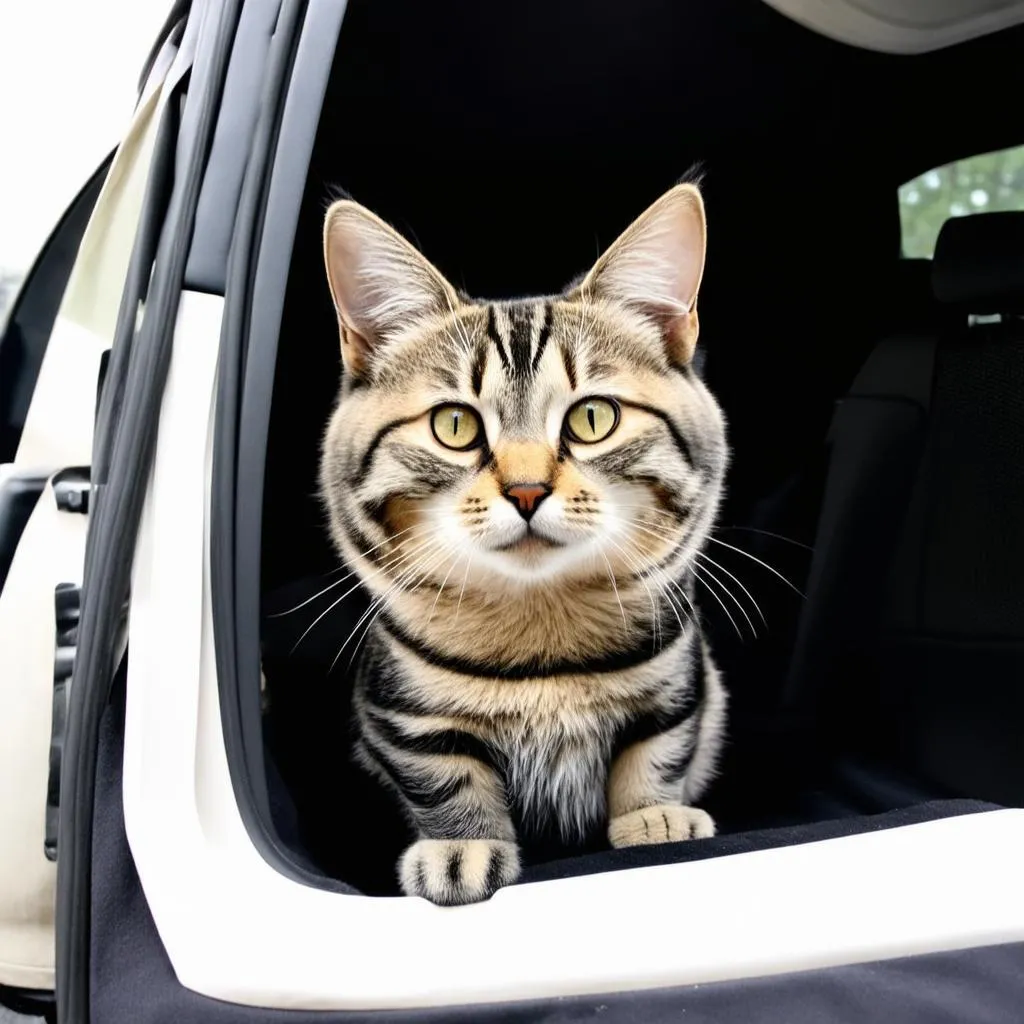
(115, 516)
(155, 203)
(173, 25)
(260, 257)
(236, 648)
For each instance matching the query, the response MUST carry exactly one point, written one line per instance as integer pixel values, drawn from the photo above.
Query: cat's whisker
(657, 570)
(638, 571)
(440, 589)
(735, 600)
(754, 558)
(766, 533)
(405, 584)
(379, 602)
(462, 590)
(355, 650)
(659, 514)
(658, 517)
(310, 600)
(697, 576)
(672, 603)
(615, 588)
(374, 612)
(736, 580)
(691, 615)
(676, 609)
(657, 535)
(338, 582)
(646, 508)
(633, 565)
(720, 583)
(334, 604)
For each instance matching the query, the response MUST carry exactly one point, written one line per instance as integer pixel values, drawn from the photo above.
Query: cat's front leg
(467, 846)
(456, 801)
(451, 872)
(646, 788)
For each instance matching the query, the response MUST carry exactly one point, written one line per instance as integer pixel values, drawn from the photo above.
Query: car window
(54, 135)
(25, 333)
(987, 182)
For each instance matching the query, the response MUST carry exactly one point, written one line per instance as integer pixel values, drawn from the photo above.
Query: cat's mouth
(529, 543)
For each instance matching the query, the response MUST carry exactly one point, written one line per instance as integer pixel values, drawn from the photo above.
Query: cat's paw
(451, 872)
(663, 823)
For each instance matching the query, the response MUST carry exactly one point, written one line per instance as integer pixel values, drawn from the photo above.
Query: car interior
(872, 635)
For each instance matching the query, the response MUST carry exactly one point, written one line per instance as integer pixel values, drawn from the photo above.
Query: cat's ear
(379, 282)
(655, 266)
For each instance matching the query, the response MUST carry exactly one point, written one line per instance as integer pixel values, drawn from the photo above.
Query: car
(169, 755)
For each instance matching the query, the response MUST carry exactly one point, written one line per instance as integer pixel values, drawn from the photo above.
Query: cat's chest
(555, 776)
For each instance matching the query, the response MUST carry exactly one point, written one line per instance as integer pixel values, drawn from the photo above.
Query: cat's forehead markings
(519, 333)
(494, 335)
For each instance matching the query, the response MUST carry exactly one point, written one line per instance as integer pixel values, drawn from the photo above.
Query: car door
(53, 353)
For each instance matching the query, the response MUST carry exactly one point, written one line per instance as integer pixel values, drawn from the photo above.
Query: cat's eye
(591, 420)
(456, 426)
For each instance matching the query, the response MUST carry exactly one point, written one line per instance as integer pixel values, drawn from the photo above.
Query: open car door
(53, 355)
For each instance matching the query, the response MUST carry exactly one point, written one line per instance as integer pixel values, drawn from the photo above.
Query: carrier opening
(512, 144)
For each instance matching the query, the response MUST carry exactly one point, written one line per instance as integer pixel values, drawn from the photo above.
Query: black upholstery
(911, 650)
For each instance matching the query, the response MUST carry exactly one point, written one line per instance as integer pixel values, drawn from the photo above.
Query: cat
(523, 487)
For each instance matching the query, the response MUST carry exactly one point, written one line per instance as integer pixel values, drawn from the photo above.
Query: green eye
(456, 426)
(591, 420)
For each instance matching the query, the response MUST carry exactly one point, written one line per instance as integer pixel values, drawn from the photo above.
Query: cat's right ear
(380, 283)
(655, 266)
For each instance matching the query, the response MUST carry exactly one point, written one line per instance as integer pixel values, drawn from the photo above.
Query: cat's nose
(527, 497)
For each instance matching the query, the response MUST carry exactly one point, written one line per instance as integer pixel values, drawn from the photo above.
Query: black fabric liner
(132, 981)
(748, 842)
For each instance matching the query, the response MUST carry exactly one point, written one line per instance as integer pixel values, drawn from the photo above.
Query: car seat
(911, 649)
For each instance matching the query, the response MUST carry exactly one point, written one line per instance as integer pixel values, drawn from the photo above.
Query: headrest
(979, 263)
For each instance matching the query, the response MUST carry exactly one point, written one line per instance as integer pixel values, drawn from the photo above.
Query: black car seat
(910, 654)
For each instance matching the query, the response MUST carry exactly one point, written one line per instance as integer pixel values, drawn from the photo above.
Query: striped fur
(522, 680)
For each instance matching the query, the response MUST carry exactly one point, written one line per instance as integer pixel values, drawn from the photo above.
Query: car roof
(903, 26)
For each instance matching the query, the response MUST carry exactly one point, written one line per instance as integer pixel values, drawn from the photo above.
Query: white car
(169, 844)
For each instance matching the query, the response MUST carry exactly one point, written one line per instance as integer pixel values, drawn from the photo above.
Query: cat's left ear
(380, 284)
(655, 266)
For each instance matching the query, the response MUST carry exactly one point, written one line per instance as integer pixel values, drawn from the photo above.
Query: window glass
(987, 182)
(68, 74)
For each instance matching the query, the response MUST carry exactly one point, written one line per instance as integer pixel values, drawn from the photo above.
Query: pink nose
(526, 497)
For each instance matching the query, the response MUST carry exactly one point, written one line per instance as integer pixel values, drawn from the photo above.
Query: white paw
(663, 823)
(450, 872)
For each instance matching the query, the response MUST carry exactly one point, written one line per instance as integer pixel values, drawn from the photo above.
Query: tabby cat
(523, 487)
